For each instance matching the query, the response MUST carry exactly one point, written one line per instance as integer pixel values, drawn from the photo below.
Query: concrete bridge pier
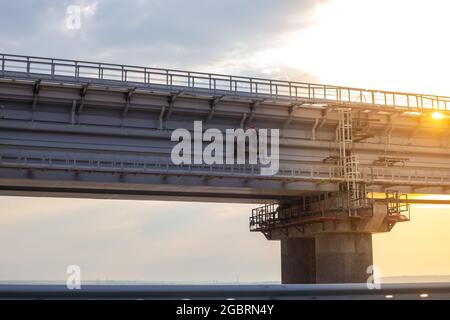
(323, 241)
(326, 258)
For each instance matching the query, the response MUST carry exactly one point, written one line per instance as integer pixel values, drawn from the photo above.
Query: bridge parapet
(29, 67)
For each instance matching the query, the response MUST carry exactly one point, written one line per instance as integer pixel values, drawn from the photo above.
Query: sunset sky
(393, 45)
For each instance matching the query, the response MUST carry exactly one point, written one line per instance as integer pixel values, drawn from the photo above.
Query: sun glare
(437, 115)
(392, 45)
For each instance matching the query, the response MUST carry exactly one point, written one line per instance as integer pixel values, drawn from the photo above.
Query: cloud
(173, 33)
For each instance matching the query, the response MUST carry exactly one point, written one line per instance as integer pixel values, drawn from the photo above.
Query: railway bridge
(348, 157)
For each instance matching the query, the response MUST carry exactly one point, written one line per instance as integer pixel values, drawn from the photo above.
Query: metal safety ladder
(349, 164)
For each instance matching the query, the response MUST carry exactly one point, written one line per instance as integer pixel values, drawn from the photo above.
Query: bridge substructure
(324, 239)
(98, 130)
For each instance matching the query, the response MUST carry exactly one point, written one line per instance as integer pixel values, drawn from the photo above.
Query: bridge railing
(406, 175)
(302, 172)
(306, 172)
(19, 66)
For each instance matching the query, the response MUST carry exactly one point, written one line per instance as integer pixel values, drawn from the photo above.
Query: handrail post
(77, 69)
(99, 72)
(3, 65)
(53, 69)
